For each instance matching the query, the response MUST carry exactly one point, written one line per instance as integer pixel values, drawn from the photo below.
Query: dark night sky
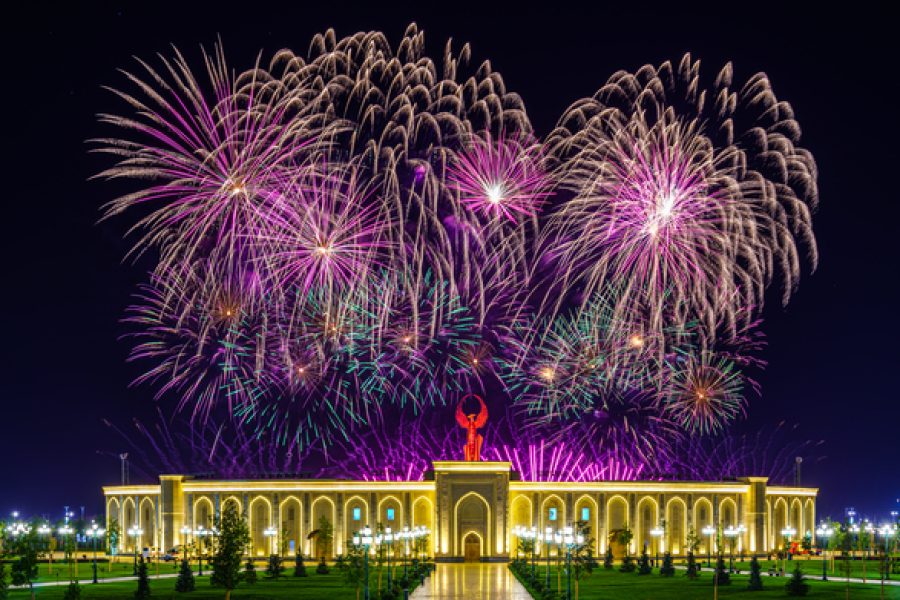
(833, 354)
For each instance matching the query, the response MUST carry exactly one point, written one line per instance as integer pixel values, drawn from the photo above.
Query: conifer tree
(667, 569)
(233, 538)
(627, 564)
(644, 567)
(249, 575)
(796, 586)
(299, 567)
(755, 584)
(275, 568)
(143, 589)
(608, 558)
(722, 575)
(693, 570)
(73, 591)
(185, 582)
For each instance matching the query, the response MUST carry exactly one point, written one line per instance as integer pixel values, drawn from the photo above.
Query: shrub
(755, 584)
(322, 568)
(249, 572)
(723, 577)
(644, 567)
(608, 558)
(667, 569)
(796, 586)
(627, 565)
(143, 589)
(73, 592)
(299, 567)
(275, 566)
(185, 581)
(693, 569)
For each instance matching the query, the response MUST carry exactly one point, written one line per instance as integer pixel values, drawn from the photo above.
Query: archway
(472, 515)
(472, 547)
(291, 519)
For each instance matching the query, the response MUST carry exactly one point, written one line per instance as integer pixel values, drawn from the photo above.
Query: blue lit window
(390, 514)
(585, 514)
(552, 514)
(357, 514)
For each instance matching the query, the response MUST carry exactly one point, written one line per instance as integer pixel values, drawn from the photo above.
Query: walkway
(484, 581)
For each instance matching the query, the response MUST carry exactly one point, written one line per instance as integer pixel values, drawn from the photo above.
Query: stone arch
(423, 516)
(472, 533)
(391, 502)
(676, 526)
(780, 521)
(351, 524)
(130, 519)
(520, 515)
(809, 517)
(322, 506)
(647, 519)
(703, 516)
(552, 501)
(259, 513)
(147, 517)
(617, 517)
(471, 513)
(291, 510)
(593, 517)
(203, 513)
(727, 513)
(238, 505)
(797, 518)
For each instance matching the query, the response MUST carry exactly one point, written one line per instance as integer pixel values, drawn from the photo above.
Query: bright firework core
(326, 273)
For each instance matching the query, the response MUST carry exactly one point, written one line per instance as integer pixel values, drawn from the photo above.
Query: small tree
(233, 538)
(693, 570)
(644, 564)
(755, 584)
(249, 571)
(275, 568)
(667, 569)
(299, 567)
(627, 564)
(143, 589)
(25, 569)
(608, 558)
(73, 591)
(625, 536)
(722, 575)
(185, 582)
(796, 586)
(322, 567)
(354, 568)
(692, 541)
(4, 586)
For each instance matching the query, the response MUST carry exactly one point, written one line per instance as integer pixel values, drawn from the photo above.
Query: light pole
(787, 533)
(548, 539)
(94, 532)
(271, 533)
(135, 532)
(388, 540)
(363, 539)
(66, 531)
(731, 533)
(570, 539)
(709, 531)
(43, 530)
(824, 532)
(887, 532)
(657, 533)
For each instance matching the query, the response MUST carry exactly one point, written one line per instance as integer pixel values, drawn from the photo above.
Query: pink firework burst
(501, 178)
(705, 393)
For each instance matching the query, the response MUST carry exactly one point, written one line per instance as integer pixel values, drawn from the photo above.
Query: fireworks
(359, 238)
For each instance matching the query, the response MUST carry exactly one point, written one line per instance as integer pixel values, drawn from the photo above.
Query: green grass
(331, 586)
(612, 585)
(813, 566)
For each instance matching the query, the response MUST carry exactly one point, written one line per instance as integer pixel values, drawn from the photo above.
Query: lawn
(612, 585)
(331, 586)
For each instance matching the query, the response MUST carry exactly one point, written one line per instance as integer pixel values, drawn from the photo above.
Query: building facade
(471, 508)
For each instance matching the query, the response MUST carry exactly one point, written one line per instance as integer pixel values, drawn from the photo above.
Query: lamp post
(887, 532)
(570, 539)
(44, 530)
(186, 543)
(787, 533)
(271, 533)
(94, 532)
(66, 531)
(824, 532)
(548, 539)
(363, 539)
(657, 532)
(135, 532)
(388, 540)
(709, 531)
(731, 533)
(200, 533)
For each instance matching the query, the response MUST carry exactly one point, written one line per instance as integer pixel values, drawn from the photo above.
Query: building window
(585, 514)
(290, 514)
(552, 514)
(390, 514)
(357, 514)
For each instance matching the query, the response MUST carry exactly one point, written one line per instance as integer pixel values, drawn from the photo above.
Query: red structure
(472, 423)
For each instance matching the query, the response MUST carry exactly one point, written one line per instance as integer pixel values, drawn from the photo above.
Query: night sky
(833, 352)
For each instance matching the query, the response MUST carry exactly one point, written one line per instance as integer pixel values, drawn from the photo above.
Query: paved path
(484, 581)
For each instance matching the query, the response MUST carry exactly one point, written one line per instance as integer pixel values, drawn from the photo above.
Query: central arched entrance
(472, 548)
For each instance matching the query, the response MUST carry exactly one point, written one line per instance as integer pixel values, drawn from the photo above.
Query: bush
(299, 567)
(608, 558)
(627, 565)
(755, 584)
(4, 585)
(275, 567)
(693, 570)
(723, 577)
(143, 589)
(185, 582)
(667, 569)
(644, 567)
(249, 572)
(73, 592)
(797, 586)
(322, 568)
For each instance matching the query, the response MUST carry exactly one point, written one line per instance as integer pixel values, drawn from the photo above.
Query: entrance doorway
(472, 546)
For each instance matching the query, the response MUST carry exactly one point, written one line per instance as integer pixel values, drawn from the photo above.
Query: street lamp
(94, 532)
(363, 539)
(887, 532)
(731, 532)
(271, 532)
(570, 540)
(201, 533)
(787, 533)
(824, 532)
(709, 531)
(46, 530)
(135, 532)
(66, 531)
(548, 539)
(657, 533)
